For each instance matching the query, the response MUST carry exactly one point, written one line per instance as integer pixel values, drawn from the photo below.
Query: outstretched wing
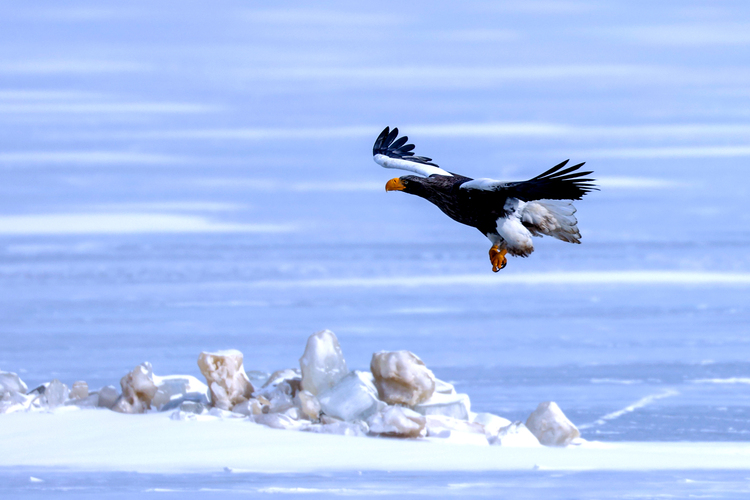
(390, 152)
(557, 183)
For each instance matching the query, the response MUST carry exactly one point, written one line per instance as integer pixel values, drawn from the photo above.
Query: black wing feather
(387, 144)
(554, 184)
(557, 183)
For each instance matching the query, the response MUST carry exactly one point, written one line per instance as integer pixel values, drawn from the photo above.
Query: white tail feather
(553, 218)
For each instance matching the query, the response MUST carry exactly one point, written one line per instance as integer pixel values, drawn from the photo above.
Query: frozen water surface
(522, 485)
(183, 177)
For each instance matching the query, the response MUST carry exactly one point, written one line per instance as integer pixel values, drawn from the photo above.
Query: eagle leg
(497, 258)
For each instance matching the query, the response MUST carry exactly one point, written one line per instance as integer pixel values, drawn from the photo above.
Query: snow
(104, 440)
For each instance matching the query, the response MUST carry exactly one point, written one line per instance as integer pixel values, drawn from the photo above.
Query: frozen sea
(185, 176)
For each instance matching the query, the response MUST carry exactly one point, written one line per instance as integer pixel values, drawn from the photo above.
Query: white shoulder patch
(411, 166)
(483, 184)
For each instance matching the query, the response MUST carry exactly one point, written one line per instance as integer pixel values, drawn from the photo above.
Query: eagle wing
(557, 183)
(390, 152)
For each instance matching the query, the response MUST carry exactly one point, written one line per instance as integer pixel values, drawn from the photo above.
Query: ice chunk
(442, 387)
(327, 419)
(491, 423)
(293, 412)
(515, 435)
(11, 402)
(192, 407)
(356, 428)
(79, 390)
(397, 421)
(250, 407)
(278, 397)
(56, 393)
(182, 415)
(174, 389)
(228, 384)
(449, 405)
(402, 378)
(218, 412)
(353, 398)
(308, 404)
(442, 426)
(257, 378)
(90, 401)
(550, 425)
(281, 400)
(10, 382)
(280, 376)
(322, 363)
(138, 389)
(189, 410)
(279, 421)
(107, 396)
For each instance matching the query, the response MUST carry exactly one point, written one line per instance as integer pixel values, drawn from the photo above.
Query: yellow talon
(497, 258)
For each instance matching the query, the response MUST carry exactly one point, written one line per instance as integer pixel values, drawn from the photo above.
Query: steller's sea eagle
(507, 213)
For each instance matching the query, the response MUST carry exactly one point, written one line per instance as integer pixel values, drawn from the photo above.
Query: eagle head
(410, 184)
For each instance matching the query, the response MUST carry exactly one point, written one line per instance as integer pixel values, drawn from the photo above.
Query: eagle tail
(552, 218)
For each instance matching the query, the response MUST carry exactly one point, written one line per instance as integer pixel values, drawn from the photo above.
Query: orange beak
(394, 185)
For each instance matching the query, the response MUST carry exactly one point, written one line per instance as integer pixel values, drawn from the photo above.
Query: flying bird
(507, 213)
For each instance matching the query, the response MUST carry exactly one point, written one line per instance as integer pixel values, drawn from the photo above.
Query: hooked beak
(394, 185)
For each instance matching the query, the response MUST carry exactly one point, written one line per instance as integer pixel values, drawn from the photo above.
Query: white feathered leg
(552, 218)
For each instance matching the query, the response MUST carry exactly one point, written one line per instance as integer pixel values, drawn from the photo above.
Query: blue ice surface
(256, 114)
(584, 485)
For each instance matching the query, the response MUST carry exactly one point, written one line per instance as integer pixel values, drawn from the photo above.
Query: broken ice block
(219, 413)
(277, 397)
(515, 435)
(280, 376)
(56, 393)
(550, 425)
(138, 388)
(308, 404)
(107, 396)
(79, 390)
(443, 387)
(396, 421)
(90, 401)
(250, 407)
(356, 428)
(279, 421)
(174, 389)
(402, 378)
(491, 423)
(10, 382)
(228, 384)
(192, 407)
(11, 402)
(442, 426)
(448, 405)
(322, 363)
(353, 398)
(257, 377)
(281, 401)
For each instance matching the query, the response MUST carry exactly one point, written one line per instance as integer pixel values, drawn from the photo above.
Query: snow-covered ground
(180, 177)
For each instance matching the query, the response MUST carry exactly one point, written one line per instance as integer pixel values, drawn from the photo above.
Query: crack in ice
(631, 408)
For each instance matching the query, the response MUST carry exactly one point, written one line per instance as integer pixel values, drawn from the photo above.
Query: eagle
(507, 213)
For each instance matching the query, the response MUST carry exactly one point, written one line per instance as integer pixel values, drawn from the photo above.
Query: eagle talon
(498, 259)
